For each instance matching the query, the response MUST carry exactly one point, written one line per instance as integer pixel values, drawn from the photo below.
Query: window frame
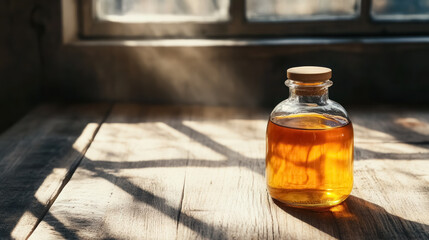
(238, 26)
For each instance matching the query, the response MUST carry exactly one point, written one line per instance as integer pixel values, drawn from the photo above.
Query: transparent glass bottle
(309, 155)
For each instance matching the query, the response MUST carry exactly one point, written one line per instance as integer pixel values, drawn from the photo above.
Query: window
(284, 10)
(161, 11)
(151, 19)
(400, 10)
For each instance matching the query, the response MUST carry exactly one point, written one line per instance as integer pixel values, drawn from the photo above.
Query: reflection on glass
(277, 10)
(161, 10)
(400, 9)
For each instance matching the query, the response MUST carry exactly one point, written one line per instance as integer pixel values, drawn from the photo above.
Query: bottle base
(314, 199)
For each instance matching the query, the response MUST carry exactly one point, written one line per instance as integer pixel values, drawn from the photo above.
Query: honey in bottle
(309, 152)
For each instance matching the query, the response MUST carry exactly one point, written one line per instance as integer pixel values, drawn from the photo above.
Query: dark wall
(244, 76)
(20, 65)
(365, 72)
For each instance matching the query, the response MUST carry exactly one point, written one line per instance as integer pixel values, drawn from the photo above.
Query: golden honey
(309, 159)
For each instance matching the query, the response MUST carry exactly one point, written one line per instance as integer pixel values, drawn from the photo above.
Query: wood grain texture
(125, 187)
(36, 157)
(381, 124)
(198, 173)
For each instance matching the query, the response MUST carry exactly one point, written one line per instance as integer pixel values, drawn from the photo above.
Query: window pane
(162, 10)
(277, 10)
(400, 9)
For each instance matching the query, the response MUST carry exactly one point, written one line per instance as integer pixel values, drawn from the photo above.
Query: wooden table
(148, 172)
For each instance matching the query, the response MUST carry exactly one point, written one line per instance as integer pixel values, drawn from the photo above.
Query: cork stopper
(309, 74)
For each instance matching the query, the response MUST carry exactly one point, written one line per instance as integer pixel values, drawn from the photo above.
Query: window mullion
(237, 12)
(365, 11)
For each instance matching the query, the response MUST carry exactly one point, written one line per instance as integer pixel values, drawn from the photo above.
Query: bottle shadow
(357, 218)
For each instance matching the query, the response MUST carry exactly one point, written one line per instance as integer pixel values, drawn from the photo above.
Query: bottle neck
(313, 93)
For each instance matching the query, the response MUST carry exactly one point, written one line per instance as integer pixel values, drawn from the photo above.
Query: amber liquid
(309, 161)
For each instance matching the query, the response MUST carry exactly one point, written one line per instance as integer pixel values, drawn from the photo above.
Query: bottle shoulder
(288, 107)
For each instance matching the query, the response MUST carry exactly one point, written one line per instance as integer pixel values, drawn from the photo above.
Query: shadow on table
(356, 218)
(366, 154)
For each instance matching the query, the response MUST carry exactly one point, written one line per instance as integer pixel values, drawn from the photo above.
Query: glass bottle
(309, 155)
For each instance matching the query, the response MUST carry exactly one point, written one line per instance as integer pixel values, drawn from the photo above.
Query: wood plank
(218, 182)
(231, 194)
(389, 201)
(36, 157)
(390, 125)
(125, 187)
(191, 172)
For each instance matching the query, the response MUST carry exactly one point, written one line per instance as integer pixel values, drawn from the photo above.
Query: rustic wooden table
(145, 172)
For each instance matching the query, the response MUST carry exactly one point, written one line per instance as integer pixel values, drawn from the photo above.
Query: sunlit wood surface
(127, 171)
